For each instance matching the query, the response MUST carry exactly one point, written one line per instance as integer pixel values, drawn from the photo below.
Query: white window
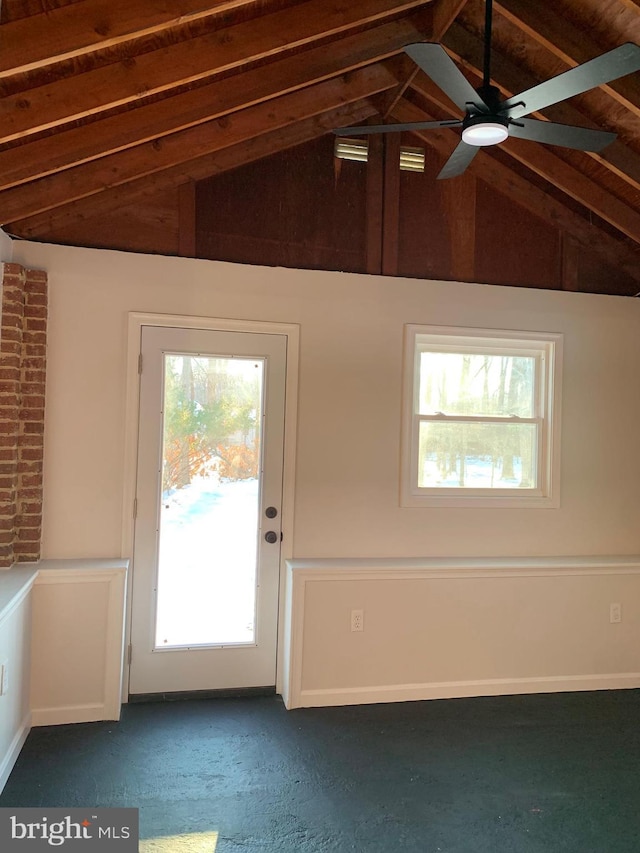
(481, 418)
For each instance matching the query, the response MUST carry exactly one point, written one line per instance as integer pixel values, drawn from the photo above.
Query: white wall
(347, 474)
(6, 247)
(349, 407)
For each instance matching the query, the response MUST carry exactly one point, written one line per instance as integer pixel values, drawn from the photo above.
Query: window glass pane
(477, 455)
(471, 384)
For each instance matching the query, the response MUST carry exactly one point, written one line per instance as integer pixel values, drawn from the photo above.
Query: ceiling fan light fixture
(481, 133)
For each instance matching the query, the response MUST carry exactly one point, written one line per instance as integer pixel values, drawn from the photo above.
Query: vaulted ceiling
(104, 103)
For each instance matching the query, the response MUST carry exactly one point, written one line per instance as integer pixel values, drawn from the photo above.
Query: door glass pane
(477, 455)
(208, 536)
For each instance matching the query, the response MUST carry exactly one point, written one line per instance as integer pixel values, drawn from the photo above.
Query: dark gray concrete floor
(531, 774)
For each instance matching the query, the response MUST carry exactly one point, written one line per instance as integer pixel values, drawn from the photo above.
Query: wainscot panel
(448, 627)
(78, 629)
(15, 644)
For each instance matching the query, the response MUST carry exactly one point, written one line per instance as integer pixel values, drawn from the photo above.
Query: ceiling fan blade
(436, 63)
(610, 66)
(364, 129)
(566, 135)
(459, 160)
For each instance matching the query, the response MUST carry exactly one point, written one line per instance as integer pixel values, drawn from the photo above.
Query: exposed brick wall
(23, 347)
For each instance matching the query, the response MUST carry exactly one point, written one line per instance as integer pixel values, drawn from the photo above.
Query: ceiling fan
(489, 121)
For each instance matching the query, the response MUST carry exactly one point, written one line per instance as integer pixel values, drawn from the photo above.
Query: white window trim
(550, 376)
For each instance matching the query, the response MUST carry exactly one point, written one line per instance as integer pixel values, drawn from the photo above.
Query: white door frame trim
(135, 322)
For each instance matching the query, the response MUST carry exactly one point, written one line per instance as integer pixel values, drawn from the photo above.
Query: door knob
(271, 537)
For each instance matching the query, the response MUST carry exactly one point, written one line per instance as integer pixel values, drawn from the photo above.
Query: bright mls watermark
(102, 830)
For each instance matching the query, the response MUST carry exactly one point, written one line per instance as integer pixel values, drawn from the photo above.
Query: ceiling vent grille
(411, 159)
(351, 149)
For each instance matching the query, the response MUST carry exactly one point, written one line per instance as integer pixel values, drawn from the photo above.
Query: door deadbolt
(271, 512)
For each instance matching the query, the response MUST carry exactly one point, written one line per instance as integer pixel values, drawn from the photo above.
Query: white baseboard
(71, 714)
(7, 763)
(463, 689)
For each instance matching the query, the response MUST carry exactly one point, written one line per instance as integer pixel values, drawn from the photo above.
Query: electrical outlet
(4, 679)
(615, 612)
(357, 620)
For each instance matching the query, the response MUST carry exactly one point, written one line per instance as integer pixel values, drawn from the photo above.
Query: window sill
(481, 501)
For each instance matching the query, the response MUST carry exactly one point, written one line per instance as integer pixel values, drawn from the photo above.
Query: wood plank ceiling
(106, 103)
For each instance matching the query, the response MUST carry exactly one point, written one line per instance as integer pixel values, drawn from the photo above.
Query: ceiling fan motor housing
(484, 129)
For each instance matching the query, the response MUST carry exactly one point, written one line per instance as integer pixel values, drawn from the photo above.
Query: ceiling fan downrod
(488, 21)
(486, 128)
(489, 94)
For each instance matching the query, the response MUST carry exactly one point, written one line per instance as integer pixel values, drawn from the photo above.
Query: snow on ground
(207, 564)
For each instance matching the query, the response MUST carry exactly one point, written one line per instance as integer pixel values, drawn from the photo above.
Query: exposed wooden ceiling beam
(36, 159)
(96, 177)
(576, 185)
(80, 28)
(444, 14)
(515, 186)
(248, 151)
(12, 10)
(573, 47)
(407, 79)
(160, 70)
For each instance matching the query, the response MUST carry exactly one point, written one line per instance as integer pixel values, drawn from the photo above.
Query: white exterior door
(209, 490)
